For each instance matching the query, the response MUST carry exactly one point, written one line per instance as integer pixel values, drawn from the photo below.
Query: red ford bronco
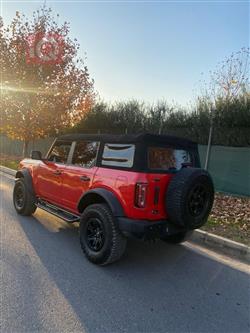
(117, 186)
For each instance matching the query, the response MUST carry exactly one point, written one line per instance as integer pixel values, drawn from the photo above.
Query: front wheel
(100, 239)
(24, 202)
(178, 238)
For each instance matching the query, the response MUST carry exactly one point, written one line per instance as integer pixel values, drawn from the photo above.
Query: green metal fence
(229, 166)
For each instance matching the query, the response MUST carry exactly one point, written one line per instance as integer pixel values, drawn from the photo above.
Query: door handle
(85, 178)
(57, 172)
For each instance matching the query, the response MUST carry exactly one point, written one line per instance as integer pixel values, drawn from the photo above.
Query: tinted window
(163, 158)
(85, 154)
(60, 152)
(118, 155)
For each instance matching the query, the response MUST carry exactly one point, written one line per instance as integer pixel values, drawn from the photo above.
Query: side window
(60, 152)
(163, 158)
(120, 155)
(85, 154)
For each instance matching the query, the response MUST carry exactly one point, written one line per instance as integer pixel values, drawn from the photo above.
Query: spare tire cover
(189, 198)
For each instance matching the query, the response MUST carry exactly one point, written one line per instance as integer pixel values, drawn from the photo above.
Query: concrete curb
(221, 244)
(8, 170)
(200, 237)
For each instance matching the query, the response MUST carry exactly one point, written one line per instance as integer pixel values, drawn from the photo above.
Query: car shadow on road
(155, 287)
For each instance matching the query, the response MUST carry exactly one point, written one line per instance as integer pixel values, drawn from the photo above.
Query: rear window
(166, 158)
(119, 155)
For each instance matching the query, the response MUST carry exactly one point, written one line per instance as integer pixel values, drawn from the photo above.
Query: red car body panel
(73, 187)
(61, 185)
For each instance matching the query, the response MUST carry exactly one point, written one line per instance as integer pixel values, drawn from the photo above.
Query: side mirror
(35, 155)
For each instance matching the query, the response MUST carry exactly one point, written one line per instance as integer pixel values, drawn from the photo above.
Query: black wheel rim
(19, 197)
(95, 234)
(198, 200)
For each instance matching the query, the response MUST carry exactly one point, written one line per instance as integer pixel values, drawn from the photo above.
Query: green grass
(10, 164)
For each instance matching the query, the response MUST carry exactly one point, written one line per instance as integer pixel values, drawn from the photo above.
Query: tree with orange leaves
(45, 86)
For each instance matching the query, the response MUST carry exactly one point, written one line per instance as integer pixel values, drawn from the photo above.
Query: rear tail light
(141, 194)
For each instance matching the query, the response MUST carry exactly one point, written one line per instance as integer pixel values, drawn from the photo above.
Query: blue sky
(150, 50)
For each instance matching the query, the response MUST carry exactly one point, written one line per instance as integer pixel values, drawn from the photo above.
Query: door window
(60, 151)
(85, 154)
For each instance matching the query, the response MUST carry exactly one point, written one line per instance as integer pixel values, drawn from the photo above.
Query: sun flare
(5, 88)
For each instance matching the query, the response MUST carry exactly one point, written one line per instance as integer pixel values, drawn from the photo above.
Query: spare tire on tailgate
(190, 197)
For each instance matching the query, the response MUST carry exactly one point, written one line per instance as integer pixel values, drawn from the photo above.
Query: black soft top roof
(132, 138)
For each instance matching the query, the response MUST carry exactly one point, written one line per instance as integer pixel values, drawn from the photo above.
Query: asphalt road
(48, 285)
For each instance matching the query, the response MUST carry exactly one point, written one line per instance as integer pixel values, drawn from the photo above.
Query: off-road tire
(28, 205)
(179, 196)
(178, 238)
(114, 242)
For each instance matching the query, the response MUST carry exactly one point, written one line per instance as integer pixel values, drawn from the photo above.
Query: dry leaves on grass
(230, 218)
(228, 209)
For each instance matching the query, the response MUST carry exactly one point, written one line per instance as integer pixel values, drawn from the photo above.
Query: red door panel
(49, 181)
(75, 181)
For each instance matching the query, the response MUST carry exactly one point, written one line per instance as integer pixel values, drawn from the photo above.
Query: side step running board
(59, 212)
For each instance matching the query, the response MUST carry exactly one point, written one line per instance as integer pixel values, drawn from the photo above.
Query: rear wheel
(100, 239)
(24, 202)
(180, 237)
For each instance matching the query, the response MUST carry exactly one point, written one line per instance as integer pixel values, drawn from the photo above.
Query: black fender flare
(25, 174)
(100, 195)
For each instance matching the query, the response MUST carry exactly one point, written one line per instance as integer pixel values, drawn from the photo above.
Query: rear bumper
(145, 229)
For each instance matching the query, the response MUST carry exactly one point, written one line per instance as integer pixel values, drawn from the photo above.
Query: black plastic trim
(144, 229)
(25, 173)
(58, 211)
(103, 195)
